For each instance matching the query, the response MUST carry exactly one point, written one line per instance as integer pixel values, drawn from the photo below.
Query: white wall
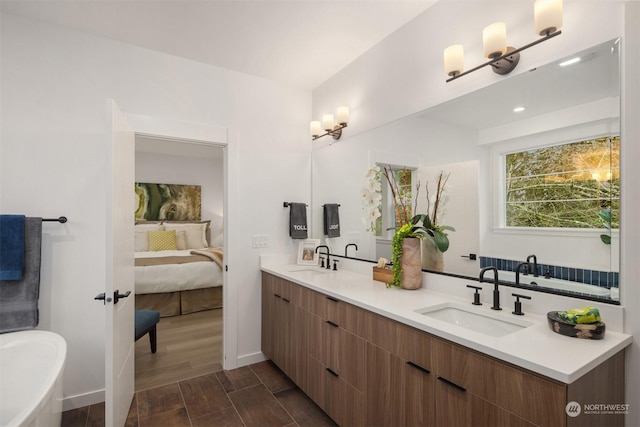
(53, 162)
(172, 169)
(403, 75)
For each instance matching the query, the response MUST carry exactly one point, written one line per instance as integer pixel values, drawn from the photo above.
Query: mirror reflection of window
(572, 185)
(388, 221)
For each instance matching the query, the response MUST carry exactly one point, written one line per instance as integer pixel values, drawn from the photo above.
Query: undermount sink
(315, 270)
(490, 324)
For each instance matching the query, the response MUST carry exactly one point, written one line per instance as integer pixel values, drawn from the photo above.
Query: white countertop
(536, 347)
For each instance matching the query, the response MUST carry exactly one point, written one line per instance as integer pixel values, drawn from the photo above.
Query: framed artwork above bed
(174, 202)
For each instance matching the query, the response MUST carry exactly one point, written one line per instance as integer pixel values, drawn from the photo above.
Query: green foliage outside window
(564, 186)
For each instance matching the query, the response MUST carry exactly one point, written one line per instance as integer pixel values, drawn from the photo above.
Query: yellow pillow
(162, 240)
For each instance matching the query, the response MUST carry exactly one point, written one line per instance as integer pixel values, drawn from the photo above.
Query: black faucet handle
(322, 261)
(335, 264)
(518, 305)
(476, 295)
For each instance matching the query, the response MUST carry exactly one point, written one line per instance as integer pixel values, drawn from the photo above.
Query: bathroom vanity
(368, 355)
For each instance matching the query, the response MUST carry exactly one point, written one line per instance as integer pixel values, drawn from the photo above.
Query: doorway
(190, 340)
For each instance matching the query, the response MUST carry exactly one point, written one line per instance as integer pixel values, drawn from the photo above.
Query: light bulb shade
(454, 60)
(327, 122)
(343, 115)
(494, 40)
(548, 16)
(315, 128)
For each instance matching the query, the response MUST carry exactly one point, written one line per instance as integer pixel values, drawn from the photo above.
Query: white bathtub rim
(27, 414)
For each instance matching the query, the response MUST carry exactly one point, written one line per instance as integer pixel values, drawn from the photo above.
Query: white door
(119, 346)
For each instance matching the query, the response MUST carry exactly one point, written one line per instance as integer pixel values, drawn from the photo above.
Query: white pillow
(195, 234)
(141, 237)
(181, 240)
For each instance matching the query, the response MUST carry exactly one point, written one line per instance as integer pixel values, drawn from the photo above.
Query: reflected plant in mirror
(371, 200)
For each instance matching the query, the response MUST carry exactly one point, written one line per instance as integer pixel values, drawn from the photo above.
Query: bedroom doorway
(190, 331)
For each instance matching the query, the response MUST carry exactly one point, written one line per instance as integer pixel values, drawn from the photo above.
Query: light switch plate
(353, 237)
(260, 241)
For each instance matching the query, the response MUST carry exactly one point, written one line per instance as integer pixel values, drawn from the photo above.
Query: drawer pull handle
(331, 372)
(333, 299)
(285, 300)
(452, 384)
(418, 367)
(277, 296)
(329, 322)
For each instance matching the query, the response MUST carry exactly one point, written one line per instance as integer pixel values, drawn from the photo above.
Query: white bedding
(175, 277)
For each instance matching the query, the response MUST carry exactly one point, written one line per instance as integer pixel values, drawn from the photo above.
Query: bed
(177, 268)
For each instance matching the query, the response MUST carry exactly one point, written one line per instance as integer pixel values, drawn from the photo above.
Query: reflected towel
(19, 298)
(331, 220)
(298, 220)
(11, 247)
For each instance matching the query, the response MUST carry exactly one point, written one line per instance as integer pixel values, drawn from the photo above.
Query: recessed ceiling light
(518, 109)
(570, 61)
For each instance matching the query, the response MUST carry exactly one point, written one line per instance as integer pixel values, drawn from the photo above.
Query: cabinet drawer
(342, 402)
(343, 314)
(380, 331)
(414, 345)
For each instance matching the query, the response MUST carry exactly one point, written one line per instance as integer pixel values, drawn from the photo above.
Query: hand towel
(11, 247)
(331, 220)
(19, 298)
(298, 220)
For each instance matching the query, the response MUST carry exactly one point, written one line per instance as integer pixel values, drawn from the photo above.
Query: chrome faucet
(350, 244)
(496, 291)
(327, 248)
(535, 265)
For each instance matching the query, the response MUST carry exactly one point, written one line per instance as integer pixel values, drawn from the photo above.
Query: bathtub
(564, 285)
(31, 365)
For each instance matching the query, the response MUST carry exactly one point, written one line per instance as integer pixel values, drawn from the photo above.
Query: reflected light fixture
(518, 109)
(503, 58)
(327, 124)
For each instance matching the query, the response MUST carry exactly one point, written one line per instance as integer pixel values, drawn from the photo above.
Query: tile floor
(257, 395)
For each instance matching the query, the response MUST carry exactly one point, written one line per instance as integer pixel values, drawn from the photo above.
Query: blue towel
(11, 247)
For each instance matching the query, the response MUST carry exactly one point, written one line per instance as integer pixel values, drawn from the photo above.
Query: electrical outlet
(353, 237)
(260, 241)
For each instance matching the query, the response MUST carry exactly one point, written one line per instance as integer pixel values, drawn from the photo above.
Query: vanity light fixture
(328, 125)
(503, 58)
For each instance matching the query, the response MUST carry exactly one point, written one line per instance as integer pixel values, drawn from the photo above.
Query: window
(564, 186)
(388, 218)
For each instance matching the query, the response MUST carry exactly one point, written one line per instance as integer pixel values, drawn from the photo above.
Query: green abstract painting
(167, 202)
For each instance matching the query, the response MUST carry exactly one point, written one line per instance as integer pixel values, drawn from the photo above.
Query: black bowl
(593, 331)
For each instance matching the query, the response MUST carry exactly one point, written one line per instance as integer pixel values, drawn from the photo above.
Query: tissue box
(384, 275)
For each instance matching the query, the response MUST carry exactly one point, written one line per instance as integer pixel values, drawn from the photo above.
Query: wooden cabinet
(285, 331)
(337, 358)
(365, 369)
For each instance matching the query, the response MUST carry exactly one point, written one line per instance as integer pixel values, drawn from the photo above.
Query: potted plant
(436, 238)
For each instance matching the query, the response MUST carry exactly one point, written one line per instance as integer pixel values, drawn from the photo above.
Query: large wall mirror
(533, 167)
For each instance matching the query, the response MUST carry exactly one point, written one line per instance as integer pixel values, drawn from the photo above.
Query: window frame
(498, 153)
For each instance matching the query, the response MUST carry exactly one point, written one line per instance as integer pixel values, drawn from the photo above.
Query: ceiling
(299, 42)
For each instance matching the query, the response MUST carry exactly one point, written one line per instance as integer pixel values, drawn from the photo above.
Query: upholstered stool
(146, 321)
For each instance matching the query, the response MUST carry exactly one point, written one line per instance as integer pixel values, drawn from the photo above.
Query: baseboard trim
(82, 400)
(249, 359)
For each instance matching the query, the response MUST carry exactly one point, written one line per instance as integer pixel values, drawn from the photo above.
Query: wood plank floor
(188, 346)
(183, 385)
(259, 395)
